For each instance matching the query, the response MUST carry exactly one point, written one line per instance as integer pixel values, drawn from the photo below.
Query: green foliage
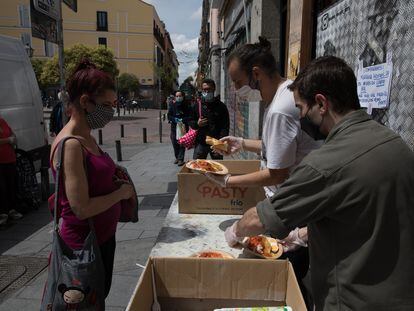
(168, 75)
(127, 83)
(102, 57)
(38, 65)
(187, 86)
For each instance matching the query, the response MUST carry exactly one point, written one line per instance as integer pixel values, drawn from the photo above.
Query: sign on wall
(43, 26)
(72, 4)
(47, 7)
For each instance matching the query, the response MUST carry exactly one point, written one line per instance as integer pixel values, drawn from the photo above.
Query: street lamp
(29, 50)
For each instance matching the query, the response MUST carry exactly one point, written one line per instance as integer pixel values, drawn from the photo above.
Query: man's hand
(230, 234)
(295, 239)
(202, 122)
(221, 180)
(235, 145)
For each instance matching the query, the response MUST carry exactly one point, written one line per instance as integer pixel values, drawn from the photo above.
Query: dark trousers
(8, 187)
(201, 151)
(300, 262)
(179, 150)
(107, 253)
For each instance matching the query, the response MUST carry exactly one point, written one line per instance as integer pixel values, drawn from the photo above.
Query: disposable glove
(294, 240)
(230, 234)
(221, 180)
(235, 145)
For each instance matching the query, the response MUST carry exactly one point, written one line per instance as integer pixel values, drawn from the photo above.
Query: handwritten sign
(374, 85)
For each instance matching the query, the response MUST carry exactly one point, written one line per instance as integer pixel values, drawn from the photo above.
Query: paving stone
(127, 235)
(121, 290)
(25, 248)
(149, 234)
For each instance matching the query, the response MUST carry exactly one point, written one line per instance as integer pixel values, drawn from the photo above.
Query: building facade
(130, 28)
(364, 33)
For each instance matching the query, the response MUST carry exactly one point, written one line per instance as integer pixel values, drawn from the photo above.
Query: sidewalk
(154, 175)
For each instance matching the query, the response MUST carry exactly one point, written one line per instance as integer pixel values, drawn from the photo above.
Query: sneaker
(176, 161)
(180, 163)
(3, 219)
(15, 215)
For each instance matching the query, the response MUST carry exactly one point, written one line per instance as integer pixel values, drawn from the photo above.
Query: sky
(182, 19)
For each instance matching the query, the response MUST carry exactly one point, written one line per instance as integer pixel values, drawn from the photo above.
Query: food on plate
(264, 246)
(216, 144)
(212, 254)
(207, 166)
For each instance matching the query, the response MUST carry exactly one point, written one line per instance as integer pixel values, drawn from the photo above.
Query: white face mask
(246, 93)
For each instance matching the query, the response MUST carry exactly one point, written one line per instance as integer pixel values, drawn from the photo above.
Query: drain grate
(15, 272)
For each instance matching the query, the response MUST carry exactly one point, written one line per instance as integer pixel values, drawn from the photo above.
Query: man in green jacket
(355, 194)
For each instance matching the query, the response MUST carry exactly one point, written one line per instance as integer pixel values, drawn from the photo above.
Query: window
(102, 21)
(102, 41)
(24, 20)
(49, 49)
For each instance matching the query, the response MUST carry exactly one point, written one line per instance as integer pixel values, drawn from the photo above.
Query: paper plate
(224, 170)
(223, 254)
(272, 241)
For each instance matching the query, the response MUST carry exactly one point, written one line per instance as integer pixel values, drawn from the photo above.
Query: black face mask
(310, 128)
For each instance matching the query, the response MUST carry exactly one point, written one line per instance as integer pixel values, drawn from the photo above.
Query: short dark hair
(209, 82)
(255, 54)
(331, 77)
(179, 91)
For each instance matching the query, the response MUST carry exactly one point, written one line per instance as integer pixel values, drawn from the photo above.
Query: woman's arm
(76, 185)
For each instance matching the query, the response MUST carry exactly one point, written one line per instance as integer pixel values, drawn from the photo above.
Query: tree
(38, 65)
(127, 83)
(102, 57)
(187, 86)
(168, 76)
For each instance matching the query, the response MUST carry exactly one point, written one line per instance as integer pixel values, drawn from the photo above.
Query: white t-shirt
(284, 144)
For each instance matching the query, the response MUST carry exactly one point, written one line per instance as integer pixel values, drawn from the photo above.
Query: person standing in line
(178, 113)
(214, 121)
(89, 189)
(8, 174)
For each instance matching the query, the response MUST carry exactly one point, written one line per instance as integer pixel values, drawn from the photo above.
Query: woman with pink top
(88, 187)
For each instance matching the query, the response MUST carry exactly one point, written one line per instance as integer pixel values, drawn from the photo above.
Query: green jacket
(356, 195)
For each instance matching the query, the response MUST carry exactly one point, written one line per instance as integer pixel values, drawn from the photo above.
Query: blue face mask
(208, 97)
(179, 99)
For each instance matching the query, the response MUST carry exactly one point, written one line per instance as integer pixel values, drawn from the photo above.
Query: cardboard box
(188, 284)
(199, 195)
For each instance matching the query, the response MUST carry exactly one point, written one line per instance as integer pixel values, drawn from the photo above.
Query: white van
(20, 101)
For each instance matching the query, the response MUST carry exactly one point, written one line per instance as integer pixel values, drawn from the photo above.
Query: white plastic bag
(180, 131)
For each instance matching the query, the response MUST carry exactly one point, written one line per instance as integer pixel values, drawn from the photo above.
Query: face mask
(100, 116)
(179, 99)
(208, 97)
(243, 92)
(311, 128)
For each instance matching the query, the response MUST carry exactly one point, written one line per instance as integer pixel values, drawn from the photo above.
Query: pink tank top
(100, 170)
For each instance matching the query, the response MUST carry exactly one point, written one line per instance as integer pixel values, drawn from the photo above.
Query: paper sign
(374, 85)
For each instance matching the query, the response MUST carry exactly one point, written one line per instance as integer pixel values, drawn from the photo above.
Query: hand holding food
(217, 145)
(235, 144)
(230, 234)
(295, 239)
(221, 180)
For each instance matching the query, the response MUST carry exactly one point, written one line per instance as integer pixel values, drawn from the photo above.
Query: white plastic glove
(12, 140)
(230, 234)
(221, 180)
(235, 145)
(295, 239)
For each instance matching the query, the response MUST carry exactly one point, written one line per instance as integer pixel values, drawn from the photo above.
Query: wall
(369, 30)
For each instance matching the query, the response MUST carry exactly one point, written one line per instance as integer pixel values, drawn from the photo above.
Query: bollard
(122, 131)
(100, 137)
(160, 126)
(144, 135)
(124, 110)
(45, 185)
(118, 150)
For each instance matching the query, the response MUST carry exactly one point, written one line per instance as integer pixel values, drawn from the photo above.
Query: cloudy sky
(183, 20)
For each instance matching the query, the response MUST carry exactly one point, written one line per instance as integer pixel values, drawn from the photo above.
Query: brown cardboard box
(198, 195)
(188, 284)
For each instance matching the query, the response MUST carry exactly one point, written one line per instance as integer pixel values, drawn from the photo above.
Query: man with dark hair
(211, 118)
(354, 194)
